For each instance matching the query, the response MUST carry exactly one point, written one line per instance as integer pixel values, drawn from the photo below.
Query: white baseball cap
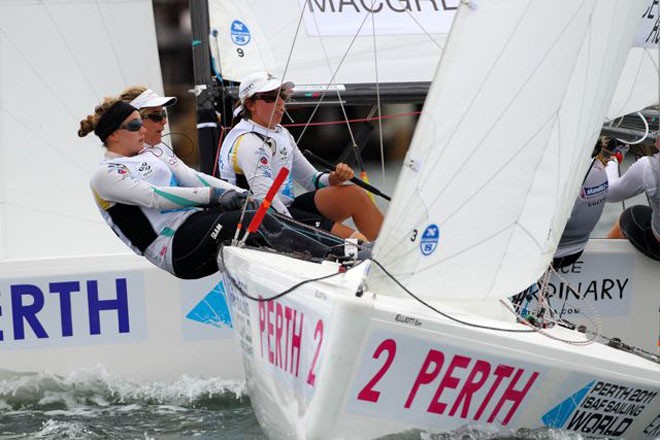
(149, 98)
(259, 82)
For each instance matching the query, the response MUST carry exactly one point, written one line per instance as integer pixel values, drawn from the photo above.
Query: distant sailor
(640, 223)
(587, 209)
(258, 146)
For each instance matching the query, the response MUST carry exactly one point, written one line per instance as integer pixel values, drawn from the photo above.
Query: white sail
(48, 84)
(491, 175)
(255, 35)
(638, 86)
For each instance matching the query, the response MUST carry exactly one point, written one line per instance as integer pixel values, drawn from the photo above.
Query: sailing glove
(231, 200)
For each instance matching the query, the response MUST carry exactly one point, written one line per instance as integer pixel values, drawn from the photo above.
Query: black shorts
(635, 225)
(196, 241)
(304, 210)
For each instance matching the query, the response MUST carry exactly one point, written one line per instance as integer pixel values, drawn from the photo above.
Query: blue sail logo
(429, 240)
(212, 309)
(557, 416)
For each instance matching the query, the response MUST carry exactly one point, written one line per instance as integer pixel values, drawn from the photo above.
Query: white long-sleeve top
(259, 157)
(146, 197)
(642, 176)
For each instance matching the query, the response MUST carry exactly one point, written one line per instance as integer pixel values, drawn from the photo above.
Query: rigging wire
(378, 104)
(334, 74)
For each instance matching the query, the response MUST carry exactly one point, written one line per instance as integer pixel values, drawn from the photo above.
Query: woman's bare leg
(343, 231)
(341, 202)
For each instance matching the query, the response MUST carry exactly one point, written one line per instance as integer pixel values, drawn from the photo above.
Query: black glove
(231, 200)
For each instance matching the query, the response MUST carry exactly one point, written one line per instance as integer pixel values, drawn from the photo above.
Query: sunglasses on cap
(132, 125)
(271, 96)
(156, 116)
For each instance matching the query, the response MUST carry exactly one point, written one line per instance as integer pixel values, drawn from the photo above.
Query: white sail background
(513, 113)
(638, 86)
(57, 61)
(408, 40)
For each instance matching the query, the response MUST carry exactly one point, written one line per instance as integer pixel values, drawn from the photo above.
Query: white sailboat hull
(115, 313)
(322, 362)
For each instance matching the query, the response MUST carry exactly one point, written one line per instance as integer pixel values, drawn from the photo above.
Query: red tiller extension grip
(265, 204)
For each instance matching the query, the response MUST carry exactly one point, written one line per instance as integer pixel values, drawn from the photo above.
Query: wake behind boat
(423, 335)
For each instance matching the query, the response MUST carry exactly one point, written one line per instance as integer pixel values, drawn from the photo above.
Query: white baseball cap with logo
(260, 82)
(149, 98)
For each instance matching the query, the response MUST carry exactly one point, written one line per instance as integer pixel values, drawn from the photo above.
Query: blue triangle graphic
(557, 416)
(212, 309)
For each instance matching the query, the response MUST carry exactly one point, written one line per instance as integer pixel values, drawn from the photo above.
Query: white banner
(390, 17)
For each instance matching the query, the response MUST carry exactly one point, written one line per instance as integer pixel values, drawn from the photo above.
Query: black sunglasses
(132, 125)
(157, 116)
(271, 96)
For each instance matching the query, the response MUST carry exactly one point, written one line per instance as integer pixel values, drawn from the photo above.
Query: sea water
(91, 404)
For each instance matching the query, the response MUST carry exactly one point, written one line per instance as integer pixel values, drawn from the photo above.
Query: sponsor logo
(380, 6)
(212, 309)
(240, 34)
(263, 160)
(119, 168)
(44, 312)
(429, 241)
(600, 409)
(601, 280)
(342, 17)
(594, 190)
(216, 231)
(145, 169)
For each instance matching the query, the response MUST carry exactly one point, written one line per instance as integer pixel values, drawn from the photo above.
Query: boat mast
(208, 132)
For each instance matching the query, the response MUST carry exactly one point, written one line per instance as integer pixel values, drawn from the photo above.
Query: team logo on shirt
(145, 169)
(263, 160)
(593, 190)
(119, 168)
(283, 152)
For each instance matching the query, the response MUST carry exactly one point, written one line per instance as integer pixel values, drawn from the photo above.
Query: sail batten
(500, 153)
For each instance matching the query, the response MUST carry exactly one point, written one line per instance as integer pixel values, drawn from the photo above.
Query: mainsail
(515, 107)
(57, 61)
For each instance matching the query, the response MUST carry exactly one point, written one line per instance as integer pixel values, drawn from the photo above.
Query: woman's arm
(304, 172)
(626, 186)
(113, 183)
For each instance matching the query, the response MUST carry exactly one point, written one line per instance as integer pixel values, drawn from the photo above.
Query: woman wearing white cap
(258, 146)
(166, 211)
(152, 108)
